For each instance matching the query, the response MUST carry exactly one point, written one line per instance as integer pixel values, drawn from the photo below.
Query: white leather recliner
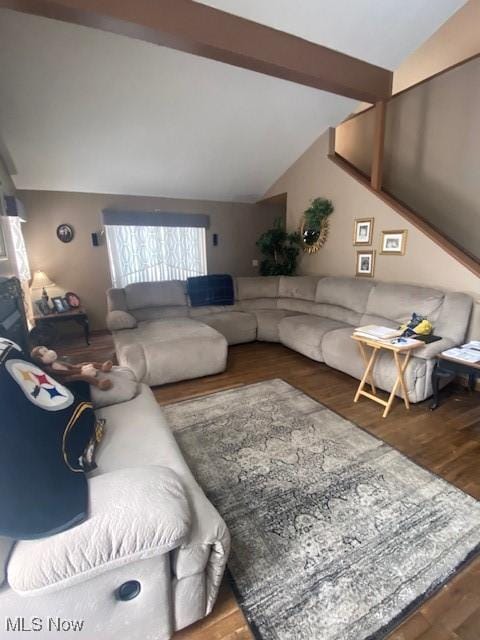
(148, 560)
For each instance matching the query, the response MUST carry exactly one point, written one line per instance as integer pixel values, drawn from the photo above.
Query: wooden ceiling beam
(204, 31)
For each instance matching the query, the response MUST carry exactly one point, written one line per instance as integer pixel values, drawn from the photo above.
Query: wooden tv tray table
(398, 350)
(44, 331)
(448, 367)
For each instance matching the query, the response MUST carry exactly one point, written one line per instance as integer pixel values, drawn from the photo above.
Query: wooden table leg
(400, 381)
(401, 370)
(366, 373)
(365, 359)
(83, 322)
(435, 386)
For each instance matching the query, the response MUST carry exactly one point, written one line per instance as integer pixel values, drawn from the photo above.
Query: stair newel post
(331, 142)
(378, 145)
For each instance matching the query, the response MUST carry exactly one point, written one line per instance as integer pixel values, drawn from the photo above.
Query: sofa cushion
(169, 350)
(398, 301)
(124, 388)
(454, 317)
(295, 304)
(257, 287)
(257, 303)
(155, 294)
(305, 333)
(236, 326)
(343, 353)
(151, 497)
(350, 293)
(140, 436)
(116, 300)
(267, 323)
(199, 312)
(302, 287)
(336, 312)
(157, 313)
(213, 289)
(118, 320)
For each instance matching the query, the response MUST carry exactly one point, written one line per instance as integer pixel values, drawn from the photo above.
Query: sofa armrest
(135, 514)
(118, 320)
(433, 349)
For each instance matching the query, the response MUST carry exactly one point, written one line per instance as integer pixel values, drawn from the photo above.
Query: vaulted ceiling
(86, 110)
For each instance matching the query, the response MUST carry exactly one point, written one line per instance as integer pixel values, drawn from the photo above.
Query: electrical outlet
(254, 263)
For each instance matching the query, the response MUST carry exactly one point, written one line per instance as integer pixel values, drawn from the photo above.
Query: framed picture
(365, 263)
(363, 231)
(59, 305)
(43, 307)
(73, 300)
(394, 243)
(3, 245)
(65, 232)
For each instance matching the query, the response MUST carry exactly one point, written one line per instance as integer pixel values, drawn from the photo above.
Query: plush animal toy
(65, 372)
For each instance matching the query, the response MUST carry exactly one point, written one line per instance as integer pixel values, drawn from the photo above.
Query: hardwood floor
(446, 441)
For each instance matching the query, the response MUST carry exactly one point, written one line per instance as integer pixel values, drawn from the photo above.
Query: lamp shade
(40, 280)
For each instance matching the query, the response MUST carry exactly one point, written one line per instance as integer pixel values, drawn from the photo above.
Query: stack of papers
(469, 352)
(377, 332)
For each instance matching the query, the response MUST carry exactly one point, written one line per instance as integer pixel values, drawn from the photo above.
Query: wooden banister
(378, 146)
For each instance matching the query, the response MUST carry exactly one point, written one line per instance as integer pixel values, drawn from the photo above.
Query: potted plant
(280, 250)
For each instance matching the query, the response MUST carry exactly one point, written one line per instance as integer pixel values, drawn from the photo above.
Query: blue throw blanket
(210, 290)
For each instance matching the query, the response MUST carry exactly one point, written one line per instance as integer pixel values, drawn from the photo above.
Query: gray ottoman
(170, 350)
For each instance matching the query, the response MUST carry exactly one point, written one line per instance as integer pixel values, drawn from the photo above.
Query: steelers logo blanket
(44, 429)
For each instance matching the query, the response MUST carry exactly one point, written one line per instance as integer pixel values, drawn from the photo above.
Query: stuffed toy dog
(65, 372)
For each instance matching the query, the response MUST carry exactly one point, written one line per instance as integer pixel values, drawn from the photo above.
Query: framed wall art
(65, 232)
(394, 243)
(365, 264)
(363, 231)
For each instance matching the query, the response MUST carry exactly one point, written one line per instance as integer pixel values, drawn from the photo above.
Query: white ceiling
(382, 32)
(85, 110)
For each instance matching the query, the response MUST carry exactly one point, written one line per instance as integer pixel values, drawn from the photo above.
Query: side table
(446, 367)
(401, 355)
(45, 330)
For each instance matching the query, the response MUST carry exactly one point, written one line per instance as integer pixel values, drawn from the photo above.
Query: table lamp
(40, 280)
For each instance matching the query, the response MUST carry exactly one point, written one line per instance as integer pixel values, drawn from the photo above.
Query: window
(150, 253)
(20, 258)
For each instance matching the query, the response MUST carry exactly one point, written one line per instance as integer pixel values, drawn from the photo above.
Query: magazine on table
(377, 332)
(469, 352)
(386, 335)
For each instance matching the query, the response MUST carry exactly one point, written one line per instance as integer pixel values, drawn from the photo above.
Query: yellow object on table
(398, 350)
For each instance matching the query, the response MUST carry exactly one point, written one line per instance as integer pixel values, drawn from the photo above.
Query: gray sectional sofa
(163, 339)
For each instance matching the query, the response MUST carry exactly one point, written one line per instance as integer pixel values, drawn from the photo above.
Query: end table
(400, 352)
(45, 330)
(447, 367)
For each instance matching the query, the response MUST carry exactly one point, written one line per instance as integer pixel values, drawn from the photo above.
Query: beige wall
(425, 263)
(456, 40)
(82, 268)
(432, 144)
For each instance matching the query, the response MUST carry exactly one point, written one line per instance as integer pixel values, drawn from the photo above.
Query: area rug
(335, 534)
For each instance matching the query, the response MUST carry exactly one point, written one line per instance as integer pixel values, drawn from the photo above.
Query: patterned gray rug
(335, 535)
